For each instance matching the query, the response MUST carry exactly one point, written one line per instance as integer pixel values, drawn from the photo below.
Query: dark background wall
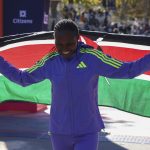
(1, 18)
(23, 16)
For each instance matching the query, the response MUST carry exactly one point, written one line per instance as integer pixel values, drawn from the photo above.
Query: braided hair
(66, 25)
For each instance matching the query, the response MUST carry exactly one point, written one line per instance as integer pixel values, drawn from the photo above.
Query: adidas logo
(81, 65)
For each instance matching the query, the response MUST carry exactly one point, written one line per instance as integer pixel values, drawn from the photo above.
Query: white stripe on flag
(99, 42)
(143, 77)
(34, 42)
(123, 45)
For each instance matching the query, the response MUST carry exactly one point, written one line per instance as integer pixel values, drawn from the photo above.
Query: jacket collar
(82, 45)
(77, 54)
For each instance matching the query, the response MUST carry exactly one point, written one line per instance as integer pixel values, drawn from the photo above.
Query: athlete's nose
(65, 48)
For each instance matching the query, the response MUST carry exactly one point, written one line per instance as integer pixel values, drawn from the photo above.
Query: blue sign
(23, 16)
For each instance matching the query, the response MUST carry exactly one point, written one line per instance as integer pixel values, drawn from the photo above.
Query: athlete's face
(66, 43)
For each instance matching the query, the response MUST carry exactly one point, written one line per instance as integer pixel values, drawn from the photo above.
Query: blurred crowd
(97, 20)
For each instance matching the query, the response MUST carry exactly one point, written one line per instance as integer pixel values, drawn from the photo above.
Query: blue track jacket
(74, 107)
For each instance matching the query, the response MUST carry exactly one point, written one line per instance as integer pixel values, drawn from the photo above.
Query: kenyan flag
(24, 50)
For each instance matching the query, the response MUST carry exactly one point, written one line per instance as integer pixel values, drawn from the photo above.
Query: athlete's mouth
(66, 52)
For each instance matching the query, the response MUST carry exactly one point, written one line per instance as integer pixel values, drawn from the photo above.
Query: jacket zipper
(70, 97)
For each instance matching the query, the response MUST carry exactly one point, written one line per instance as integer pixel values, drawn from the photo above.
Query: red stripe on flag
(26, 56)
(125, 54)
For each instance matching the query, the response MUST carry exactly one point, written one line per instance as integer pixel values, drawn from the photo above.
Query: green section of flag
(37, 93)
(131, 95)
(127, 95)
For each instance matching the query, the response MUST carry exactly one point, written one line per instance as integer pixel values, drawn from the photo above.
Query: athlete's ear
(78, 37)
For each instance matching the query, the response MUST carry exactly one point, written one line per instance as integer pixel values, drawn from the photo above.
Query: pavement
(29, 131)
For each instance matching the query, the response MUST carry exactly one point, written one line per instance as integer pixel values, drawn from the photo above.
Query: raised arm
(106, 66)
(33, 75)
